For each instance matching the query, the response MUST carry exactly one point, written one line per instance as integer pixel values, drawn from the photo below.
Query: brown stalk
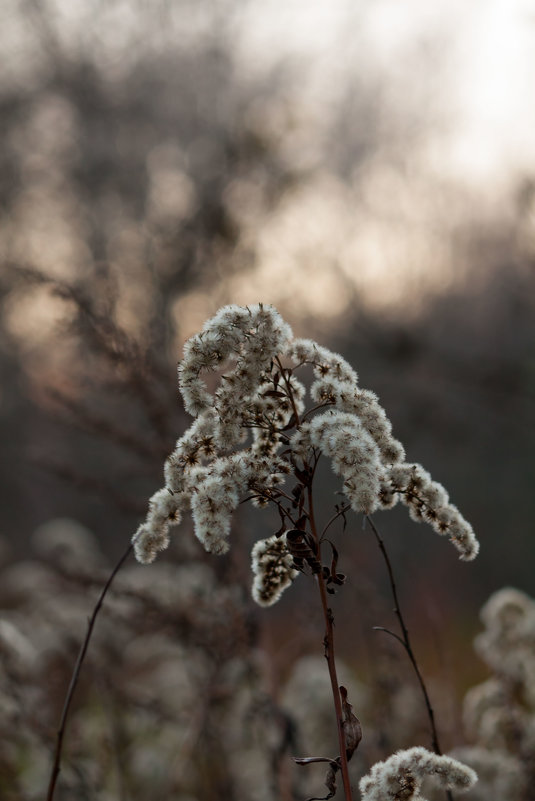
(329, 656)
(56, 765)
(406, 643)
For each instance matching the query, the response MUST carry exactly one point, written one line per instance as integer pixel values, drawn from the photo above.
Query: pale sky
(486, 53)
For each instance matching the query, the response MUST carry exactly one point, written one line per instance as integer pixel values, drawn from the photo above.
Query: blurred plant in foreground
(169, 686)
(499, 714)
(173, 703)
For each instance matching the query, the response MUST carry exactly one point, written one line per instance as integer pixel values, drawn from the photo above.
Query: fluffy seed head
(400, 777)
(272, 569)
(254, 430)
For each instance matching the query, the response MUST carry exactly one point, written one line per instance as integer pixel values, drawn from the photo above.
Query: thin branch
(334, 518)
(282, 511)
(76, 674)
(392, 633)
(326, 405)
(405, 641)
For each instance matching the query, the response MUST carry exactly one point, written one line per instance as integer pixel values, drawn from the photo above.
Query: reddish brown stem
(329, 655)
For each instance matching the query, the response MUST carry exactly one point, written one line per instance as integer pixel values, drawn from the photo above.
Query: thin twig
(76, 674)
(392, 634)
(405, 641)
(325, 405)
(334, 518)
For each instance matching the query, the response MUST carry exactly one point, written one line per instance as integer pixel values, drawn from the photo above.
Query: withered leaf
(301, 475)
(351, 726)
(330, 780)
(291, 422)
(330, 776)
(310, 760)
(301, 546)
(301, 523)
(297, 492)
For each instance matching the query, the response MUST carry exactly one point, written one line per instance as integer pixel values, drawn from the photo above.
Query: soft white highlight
(428, 501)
(400, 777)
(354, 456)
(499, 713)
(508, 643)
(252, 336)
(499, 775)
(272, 569)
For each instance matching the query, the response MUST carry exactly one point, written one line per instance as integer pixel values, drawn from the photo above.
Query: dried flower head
(499, 775)
(254, 431)
(428, 501)
(400, 777)
(354, 456)
(273, 570)
(499, 714)
(487, 712)
(508, 643)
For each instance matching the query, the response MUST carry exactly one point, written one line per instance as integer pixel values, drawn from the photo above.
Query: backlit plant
(258, 436)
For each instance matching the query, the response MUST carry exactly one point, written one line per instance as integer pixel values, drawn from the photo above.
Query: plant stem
(76, 674)
(339, 513)
(329, 655)
(286, 380)
(405, 641)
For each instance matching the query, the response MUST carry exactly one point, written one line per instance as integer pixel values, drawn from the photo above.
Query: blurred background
(368, 168)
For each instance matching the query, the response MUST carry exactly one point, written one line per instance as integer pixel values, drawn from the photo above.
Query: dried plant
(258, 436)
(401, 776)
(170, 673)
(499, 714)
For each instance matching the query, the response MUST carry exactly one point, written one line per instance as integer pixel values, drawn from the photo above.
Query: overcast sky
(484, 57)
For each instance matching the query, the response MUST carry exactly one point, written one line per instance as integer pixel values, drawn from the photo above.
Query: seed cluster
(273, 569)
(255, 430)
(400, 777)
